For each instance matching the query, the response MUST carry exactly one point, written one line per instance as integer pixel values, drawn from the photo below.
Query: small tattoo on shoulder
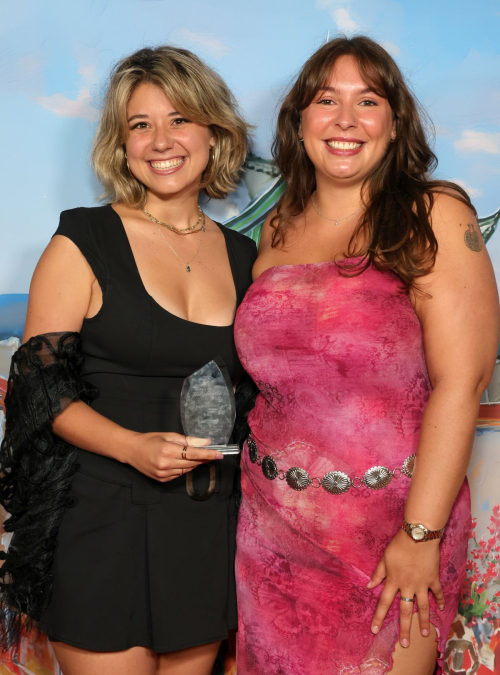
(472, 240)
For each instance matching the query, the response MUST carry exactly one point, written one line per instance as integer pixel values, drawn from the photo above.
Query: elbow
(470, 385)
(485, 379)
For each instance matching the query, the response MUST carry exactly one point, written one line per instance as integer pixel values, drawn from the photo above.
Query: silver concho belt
(334, 482)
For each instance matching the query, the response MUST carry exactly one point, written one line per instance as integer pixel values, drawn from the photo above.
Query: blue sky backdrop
(56, 55)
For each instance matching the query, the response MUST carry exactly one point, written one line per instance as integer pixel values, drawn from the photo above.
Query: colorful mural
(56, 54)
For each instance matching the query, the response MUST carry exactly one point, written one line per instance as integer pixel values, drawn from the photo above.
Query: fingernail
(369, 584)
(425, 632)
(375, 629)
(405, 643)
(441, 607)
(219, 455)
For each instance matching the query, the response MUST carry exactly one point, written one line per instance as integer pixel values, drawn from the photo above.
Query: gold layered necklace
(187, 263)
(185, 230)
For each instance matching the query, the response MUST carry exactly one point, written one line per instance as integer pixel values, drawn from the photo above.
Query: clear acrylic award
(208, 407)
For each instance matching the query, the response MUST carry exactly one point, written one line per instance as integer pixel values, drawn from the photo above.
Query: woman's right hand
(158, 455)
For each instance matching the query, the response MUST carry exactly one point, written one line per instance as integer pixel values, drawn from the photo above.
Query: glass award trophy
(208, 407)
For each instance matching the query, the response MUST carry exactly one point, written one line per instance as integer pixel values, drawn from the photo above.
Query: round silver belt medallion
(269, 468)
(252, 450)
(297, 478)
(336, 482)
(409, 465)
(377, 477)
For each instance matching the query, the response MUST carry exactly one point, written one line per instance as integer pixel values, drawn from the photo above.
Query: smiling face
(347, 127)
(165, 151)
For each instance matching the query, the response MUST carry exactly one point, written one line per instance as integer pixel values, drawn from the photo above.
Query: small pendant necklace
(187, 263)
(185, 230)
(333, 220)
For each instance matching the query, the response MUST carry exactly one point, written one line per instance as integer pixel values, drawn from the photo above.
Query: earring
(301, 140)
(127, 163)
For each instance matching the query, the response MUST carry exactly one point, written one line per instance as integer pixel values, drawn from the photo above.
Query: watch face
(418, 533)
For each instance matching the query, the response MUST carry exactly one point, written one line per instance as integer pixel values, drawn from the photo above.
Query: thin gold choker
(186, 230)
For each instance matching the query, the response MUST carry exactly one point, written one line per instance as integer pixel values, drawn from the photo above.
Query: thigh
(420, 657)
(195, 661)
(75, 661)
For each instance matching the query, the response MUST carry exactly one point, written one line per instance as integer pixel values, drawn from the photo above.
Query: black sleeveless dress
(138, 562)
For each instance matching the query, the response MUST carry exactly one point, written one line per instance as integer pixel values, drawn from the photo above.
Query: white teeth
(343, 145)
(167, 164)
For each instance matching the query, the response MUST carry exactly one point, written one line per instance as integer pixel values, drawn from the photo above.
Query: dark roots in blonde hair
(197, 92)
(398, 195)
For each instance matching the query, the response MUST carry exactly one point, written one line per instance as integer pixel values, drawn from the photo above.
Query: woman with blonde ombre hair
(124, 528)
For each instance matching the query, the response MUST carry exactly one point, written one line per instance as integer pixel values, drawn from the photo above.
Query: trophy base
(225, 449)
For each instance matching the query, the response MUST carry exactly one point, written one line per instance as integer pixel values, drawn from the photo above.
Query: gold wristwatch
(419, 532)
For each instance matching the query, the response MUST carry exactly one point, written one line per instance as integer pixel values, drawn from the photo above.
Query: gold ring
(405, 599)
(184, 451)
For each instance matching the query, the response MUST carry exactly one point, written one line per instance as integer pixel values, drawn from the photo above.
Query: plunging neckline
(155, 302)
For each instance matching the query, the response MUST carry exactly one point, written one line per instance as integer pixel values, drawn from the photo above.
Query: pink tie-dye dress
(343, 386)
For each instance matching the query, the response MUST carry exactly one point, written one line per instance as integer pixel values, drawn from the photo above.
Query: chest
(189, 277)
(314, 311)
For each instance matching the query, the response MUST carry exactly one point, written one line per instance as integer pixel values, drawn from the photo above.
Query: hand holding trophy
(208, 410)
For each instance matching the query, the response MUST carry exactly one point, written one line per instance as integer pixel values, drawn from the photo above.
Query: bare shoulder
(60, 289)
(462, 272)
(455, 225)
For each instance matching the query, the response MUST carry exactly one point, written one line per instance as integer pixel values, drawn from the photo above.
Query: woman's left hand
(412, 569)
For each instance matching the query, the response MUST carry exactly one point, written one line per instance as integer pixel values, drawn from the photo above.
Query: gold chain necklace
(186, 230)
(187, 262)
(334, 220)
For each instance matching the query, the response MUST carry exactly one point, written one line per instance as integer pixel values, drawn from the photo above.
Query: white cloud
(392, 48)
(63, 106)
(344, 21)
(89, 76)
(473, 192)
(210, 43)
(82, 106)
(329, 5)
(479, 141)
(441, 130)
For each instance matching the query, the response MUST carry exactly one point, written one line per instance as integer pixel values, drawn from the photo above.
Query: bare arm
(63, 292)
(460, 333)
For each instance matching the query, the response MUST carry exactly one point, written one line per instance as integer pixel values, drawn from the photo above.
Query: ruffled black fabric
(36, 470)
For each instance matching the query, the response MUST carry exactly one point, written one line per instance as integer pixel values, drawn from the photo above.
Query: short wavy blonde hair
(197, 92)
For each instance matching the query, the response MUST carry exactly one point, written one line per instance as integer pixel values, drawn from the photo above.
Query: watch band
(428, 535)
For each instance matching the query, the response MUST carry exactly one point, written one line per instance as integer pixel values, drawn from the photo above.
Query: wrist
(419, 532)
(431, 521)
(126, 445)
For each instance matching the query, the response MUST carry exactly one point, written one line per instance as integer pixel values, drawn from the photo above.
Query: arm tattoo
(472, 241)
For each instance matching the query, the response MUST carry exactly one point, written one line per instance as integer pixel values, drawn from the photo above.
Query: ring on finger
(184, 451)
(406, 599)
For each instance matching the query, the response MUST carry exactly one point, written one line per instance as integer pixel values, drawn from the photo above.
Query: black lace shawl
(36, 469)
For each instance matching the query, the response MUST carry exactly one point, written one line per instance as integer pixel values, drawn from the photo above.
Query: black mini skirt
(140, 563)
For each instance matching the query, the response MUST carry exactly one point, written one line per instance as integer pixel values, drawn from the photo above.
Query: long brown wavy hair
(398, 195)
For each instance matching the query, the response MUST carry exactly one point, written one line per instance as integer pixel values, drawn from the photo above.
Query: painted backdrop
(55, 57)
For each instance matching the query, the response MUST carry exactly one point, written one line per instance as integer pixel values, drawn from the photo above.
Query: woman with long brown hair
(371, 331)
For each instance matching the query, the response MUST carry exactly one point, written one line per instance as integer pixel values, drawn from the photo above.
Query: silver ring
(184, 451)
(406, 599)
